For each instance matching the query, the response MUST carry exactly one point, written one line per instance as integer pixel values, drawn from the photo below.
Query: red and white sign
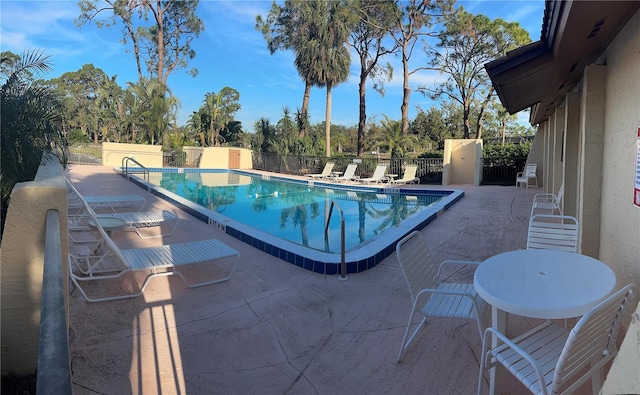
(636, 189)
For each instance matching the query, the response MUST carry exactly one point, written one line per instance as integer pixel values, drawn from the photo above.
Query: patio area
(275, 328)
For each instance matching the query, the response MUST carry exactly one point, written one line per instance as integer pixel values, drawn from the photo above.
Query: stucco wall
(147, 155)
(536, 155)
(22, 261)
(620, 219)
(462, 161)
(218, 158)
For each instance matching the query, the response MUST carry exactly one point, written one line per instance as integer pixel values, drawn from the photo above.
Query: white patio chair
(326, 172)
(550, 359)
(409, 176)
(378, 175)
(349, 173)
(429, 295)
(548, 201)
(553, 232)
(528, 174)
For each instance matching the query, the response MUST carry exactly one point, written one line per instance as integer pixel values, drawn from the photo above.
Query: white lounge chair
(431, 297)
(553, 232)
(529, 173)
(550, 359)
(109, 262)
(326, 172)
(409, 176)
(349, 173)
(378, 175)
(133, 220)
(548, 201)
(75, 201)
(136, 221)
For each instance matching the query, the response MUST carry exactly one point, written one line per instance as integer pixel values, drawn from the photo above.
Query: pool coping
(363, 257)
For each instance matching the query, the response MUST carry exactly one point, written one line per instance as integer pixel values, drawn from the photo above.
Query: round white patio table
(545, 284)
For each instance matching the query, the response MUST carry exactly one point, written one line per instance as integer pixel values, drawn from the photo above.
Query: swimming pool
(286, 217)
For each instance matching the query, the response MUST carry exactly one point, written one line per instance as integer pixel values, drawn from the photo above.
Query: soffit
(574, 35)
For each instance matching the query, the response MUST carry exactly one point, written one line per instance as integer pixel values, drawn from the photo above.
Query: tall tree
(154, 109)
(79, 91)
(467, 42)
(413, 19)
(216, 112)
(329, 47)
(374, 20)
(161, 31)
(289, 27)
(430, 126)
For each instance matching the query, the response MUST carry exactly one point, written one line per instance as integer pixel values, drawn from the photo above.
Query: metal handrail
(343, 264)
(125, 167)
(54, 369)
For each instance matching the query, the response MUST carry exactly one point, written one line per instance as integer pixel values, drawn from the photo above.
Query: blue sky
(229, 52)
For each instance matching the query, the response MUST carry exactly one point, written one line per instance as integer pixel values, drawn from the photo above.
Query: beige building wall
(219, 158)
(147, 155)
(601, 119)
(571, 152)
(22, 262)
(619, 240)
(620, 220)
(462, 161)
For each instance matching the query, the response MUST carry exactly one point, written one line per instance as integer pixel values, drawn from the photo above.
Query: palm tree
(29, 121)
(327, 47)
(156, 108)
(391, 137)
(212, 105)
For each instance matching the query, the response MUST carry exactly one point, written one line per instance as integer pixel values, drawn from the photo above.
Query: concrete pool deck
(275, 328)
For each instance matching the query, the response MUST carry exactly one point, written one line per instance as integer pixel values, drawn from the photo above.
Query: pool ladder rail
(139, 169)
(343, 264)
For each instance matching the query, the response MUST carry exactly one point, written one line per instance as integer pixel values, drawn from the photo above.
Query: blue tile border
(357, 260)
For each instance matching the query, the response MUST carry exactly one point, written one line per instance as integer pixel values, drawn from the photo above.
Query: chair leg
(404, 346)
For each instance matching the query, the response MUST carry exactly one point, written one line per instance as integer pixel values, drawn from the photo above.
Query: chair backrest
(594, 337)
(350, 171)
(553, 232)
(379, 171)
(410, 172)
(530, 170)
(328, 168)
(416, 263)
(559, 195)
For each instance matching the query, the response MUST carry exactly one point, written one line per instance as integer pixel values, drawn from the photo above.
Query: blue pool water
(286, 217)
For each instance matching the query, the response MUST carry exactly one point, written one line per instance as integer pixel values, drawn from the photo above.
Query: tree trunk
(136, 47)
(327, 122)
(406, 92)
(305, 108)
(161, 76)
(483, 108)
(362, 120)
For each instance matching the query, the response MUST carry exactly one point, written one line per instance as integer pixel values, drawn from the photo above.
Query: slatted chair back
(560, 194)
(593, 340)
(530, 170)
(553, 232)
(418, 267)
(350, 171)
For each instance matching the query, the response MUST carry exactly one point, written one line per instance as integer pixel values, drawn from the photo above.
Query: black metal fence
(501, 171)
(429, 169)
(85, 154)
(495, 171)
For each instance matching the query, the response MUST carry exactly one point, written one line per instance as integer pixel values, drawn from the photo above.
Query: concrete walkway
(275, 328)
